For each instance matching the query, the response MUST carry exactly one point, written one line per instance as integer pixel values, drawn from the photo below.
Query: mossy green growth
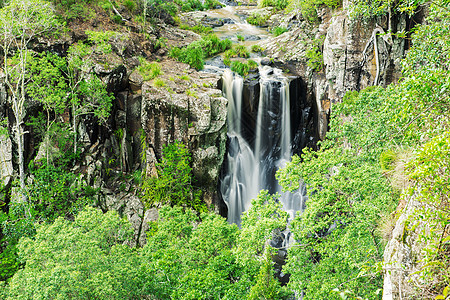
(149, 70)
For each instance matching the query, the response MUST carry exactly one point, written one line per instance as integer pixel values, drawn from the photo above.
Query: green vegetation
(241, 51)
(279, 30)
(53, 245)
(211, 260)
(314, 54)
(149, 70)
(196, 52)
(257, 48)
(278, 4)
(174, 183)
(199, 28)
(242, 68)
(159, 82)
(258, 19)
(350, 189)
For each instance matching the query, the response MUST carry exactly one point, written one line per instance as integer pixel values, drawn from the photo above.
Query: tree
(48, 86)
(88, 94)
(20, 22)
(81, 259)
(173, 185)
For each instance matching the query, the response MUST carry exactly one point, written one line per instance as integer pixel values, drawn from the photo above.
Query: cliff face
(145, 116)
(356, 54)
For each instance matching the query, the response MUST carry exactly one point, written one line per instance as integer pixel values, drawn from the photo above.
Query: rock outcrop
(405, 254)
(356, 54)
(189, 108)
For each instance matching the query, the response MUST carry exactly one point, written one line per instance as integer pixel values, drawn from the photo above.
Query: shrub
(174, 182)
(258, 19)
(149, 70)
(256, 48)
(130, 5)
(279, 30)
(252, 64)
(278, 4)
(199, 28)
(240, 68)
(195, 53)
(241, 51)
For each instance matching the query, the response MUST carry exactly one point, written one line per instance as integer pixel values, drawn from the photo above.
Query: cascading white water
(240, 182)
(251, 168)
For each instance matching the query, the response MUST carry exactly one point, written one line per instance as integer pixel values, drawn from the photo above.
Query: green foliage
(47, 83)
(258, 224)
(190, 262)
(54, 194)
(257, 48)
(431, 181)
(240, 38)
(387, 160)
(240, 67)
(252, 64)
(195, 52)
(258, 19)
(314, 54)
(14, 225)
(149, 70)
(308, 8)
(88, 260)
(278, 4)
(266, 286)
(279, 30)
(174, 182)
(73, 9)
(241, 51)
(348, 191)
(130, 5)
(198, 28)
(192, 55)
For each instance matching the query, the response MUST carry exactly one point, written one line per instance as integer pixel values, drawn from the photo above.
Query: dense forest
(378, 181)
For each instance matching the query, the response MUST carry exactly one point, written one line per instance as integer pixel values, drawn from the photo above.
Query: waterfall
(251, 162)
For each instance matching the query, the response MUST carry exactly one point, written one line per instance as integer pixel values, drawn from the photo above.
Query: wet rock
(251, 38)
(216, 62)
(266, 61)
(211, 22)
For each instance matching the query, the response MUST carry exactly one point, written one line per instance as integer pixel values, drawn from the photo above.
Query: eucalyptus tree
(88, 94)
(20, 22)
